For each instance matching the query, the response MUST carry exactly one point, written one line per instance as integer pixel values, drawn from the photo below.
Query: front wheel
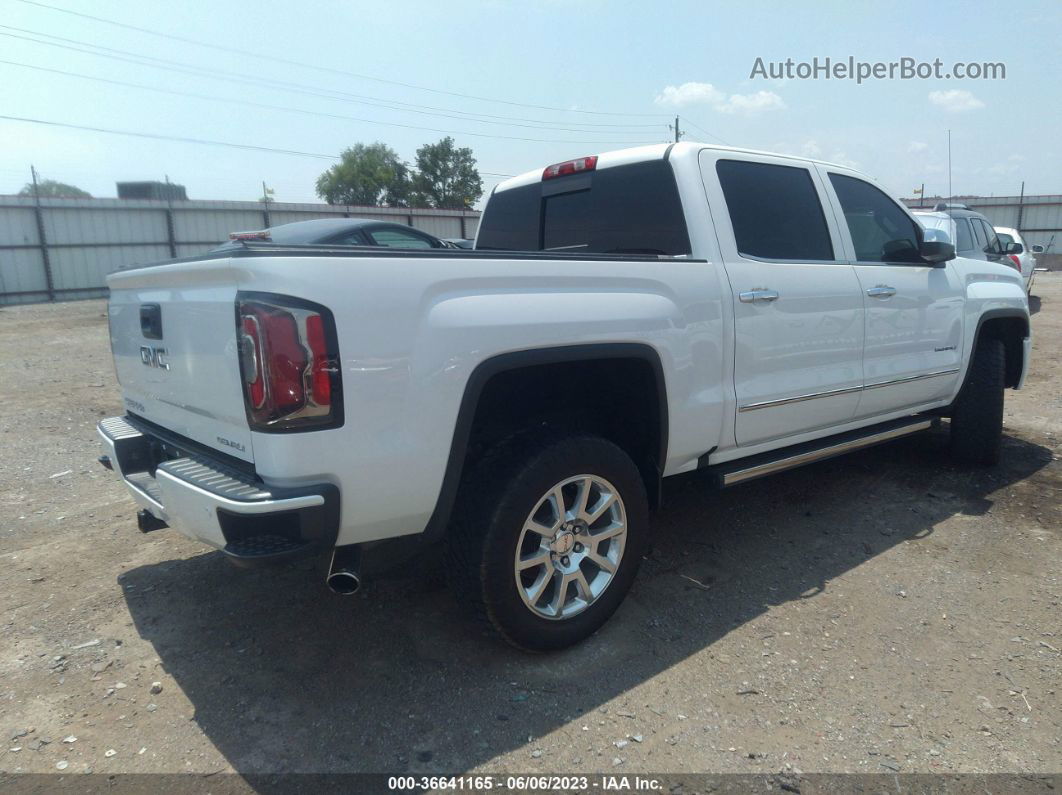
(550, 534)
(977, 416)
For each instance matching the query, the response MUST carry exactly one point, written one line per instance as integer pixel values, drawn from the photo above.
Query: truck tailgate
(173, 334)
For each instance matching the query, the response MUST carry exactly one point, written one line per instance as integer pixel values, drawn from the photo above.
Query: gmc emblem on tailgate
(151, 356)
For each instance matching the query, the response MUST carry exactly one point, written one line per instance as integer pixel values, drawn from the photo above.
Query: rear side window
(397, 238)
(354, 238)
(631, 209)
(881, 231)
(775, 211)
(992, 244)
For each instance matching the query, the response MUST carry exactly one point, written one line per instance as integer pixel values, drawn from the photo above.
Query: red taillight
(288, 360)
(321, 369)
(576, 166)
(285, 360)
(1016, 262)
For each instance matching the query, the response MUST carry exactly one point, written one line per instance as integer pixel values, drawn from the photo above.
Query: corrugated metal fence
(58, 249)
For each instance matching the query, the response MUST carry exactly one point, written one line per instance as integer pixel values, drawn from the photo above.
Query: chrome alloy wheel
(570, 547)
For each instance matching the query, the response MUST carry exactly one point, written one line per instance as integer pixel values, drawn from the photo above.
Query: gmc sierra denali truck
(623, 318)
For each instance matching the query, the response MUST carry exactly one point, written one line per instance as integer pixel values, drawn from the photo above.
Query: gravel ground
(881, 612)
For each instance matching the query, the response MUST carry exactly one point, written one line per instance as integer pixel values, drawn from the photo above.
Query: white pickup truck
(623, 318)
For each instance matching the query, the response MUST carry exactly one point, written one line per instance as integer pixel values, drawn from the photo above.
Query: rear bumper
(206, 499)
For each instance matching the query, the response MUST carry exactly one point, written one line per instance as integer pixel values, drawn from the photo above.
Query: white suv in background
(1019, 253)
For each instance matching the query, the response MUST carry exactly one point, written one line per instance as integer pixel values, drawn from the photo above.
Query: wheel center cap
(563, 542)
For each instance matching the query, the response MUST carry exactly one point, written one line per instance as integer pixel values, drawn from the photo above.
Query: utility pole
(950, 195)
(678, 133)
(42, 239)
(171, 227)
(267, 197)
(1021, 206)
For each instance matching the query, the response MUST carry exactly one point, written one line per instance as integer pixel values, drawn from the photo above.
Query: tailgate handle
(151, 321)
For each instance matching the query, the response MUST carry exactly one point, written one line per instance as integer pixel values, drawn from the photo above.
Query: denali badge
(152, 357)
(232, 444)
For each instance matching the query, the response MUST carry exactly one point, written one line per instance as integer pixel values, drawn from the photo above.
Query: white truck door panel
(798, 312)
(913, 347)
(914, 311)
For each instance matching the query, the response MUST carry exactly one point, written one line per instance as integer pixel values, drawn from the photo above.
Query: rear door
(798, 311)
(914, 311)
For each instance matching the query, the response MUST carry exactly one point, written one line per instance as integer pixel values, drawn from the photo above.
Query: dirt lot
(882, 612)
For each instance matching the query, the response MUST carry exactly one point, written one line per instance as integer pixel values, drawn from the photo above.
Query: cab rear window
(631, 209)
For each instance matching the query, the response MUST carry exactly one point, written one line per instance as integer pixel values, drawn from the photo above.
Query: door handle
(758, 294)
(881, 291)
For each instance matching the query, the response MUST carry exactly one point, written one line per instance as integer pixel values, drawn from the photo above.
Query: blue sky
(592, 63)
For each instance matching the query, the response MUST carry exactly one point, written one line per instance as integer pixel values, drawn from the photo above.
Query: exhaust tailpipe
(344, 572)
(344, 582)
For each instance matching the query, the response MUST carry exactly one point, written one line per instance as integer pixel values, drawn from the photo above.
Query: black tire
(493, 505)
(977, 415)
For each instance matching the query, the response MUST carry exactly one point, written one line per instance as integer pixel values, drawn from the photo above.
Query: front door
(914, 311)
(798, 310)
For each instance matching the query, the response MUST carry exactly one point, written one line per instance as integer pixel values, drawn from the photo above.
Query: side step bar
(733, 472)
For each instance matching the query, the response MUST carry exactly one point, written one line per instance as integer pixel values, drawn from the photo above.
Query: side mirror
(936, 253)
(1013, 248)
(1037, 249)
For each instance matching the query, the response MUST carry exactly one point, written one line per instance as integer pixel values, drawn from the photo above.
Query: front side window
(775, 211)
(979, 234)
(881, 231)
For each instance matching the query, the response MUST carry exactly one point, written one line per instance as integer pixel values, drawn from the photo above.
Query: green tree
(446, 176)
(367, 174)
(51, 189)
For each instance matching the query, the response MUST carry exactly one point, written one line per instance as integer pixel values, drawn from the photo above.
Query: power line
(236, 77)
(181, 139)
(274, 59)
(710, 135)
(251, 103)
(157, 136)
(101, 51)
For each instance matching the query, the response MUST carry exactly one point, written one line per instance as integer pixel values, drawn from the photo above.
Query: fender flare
(991, 314)
(516, 360)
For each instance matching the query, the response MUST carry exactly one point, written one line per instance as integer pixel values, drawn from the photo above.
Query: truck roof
(637, 154)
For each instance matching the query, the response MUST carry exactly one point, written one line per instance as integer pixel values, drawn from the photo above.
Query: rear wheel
(977, 416)
(548, 537)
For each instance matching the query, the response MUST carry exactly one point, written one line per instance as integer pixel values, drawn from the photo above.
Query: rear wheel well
(620, 398)
(1011, 331)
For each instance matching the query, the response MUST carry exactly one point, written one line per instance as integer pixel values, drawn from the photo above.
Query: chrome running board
(734, 472)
